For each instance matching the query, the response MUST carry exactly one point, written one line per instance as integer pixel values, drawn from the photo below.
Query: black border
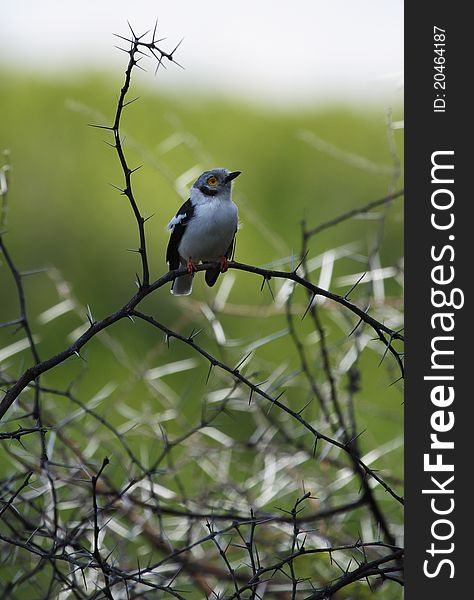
(425, 133)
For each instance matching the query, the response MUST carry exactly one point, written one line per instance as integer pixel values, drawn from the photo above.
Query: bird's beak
(231, 176)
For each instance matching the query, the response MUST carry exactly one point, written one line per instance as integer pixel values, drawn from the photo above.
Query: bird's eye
(212, 180)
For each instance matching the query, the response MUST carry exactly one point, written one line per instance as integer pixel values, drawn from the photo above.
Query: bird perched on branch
(203, 229)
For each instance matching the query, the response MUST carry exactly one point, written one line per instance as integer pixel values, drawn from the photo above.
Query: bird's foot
(191, 266)
(224, 263)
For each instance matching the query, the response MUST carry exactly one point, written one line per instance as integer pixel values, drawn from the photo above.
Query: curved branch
(352, 213)
(127, 191)
(136, 46)
(318, 291)
(346, 447)
(127, 310)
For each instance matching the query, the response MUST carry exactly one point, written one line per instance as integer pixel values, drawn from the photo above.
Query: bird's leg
(224, 263)
(191, 266)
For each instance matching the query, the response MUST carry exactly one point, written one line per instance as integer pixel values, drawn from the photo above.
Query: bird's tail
(211, 276)
(183, 285)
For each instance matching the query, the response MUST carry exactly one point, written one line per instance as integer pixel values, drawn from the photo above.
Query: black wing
(172, 254)
(231, 251)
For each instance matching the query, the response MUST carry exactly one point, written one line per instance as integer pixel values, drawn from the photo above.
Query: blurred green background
(63, 213)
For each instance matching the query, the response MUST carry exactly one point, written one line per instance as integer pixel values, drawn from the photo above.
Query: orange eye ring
(212, 180)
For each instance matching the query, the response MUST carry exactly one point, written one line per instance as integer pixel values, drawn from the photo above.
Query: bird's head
(216, 182)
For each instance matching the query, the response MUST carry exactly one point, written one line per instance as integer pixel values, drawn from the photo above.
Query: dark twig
(33, 372)
(18, 491)
(96, 551)
(274, 401)
(137, 45)
(352, 213)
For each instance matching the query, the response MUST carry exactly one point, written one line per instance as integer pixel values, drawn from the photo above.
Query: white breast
(210, 232)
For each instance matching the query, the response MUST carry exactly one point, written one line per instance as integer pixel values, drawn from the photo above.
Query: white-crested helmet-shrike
(203, 229)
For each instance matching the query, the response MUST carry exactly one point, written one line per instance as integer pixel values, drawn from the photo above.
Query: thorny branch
(384, 333)
(135, 52)
(273, 400)
(247, 552)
